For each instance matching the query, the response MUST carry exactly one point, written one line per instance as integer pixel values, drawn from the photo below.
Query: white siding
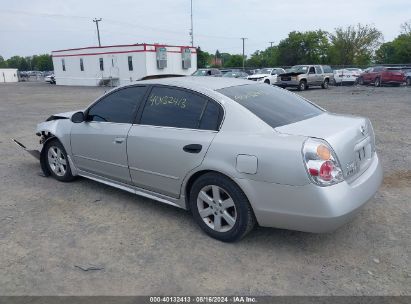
(9, 75)
(115, 60)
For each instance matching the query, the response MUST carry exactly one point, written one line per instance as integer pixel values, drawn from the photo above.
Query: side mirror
(78, 117)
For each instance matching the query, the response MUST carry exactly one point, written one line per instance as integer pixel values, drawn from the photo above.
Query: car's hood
(347, 135)
(291, 74)
(258, 76)
(65, 115)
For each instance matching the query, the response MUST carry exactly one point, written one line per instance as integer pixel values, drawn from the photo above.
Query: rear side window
(171, 107)
(211, 117)
(274, 106)
(119, 107)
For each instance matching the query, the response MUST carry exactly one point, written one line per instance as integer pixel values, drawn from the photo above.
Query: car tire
(360, 81)
(408, 81)
(267, 81)
(221, 208)
(57, 161)
(377, 82)
(302, 86)
(324, 85)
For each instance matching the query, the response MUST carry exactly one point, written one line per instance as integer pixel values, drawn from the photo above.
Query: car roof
(197, 82)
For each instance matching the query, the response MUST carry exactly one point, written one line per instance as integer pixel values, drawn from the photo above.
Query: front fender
(59, 129)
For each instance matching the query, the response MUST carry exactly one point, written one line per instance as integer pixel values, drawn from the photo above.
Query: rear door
(98, 144)
(170, 138)
(312, 76)
(319, 74)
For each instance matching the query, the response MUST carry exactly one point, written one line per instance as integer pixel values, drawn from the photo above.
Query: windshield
(298, 69)
(274, 106)
(265, 71)
(201, 73)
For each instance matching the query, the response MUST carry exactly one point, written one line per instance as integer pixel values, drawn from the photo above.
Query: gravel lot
(142, 247)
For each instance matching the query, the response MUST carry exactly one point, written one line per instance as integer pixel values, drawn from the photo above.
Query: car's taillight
(321, 162)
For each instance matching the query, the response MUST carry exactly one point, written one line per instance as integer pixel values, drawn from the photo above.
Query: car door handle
(119, 140)
(193, 148)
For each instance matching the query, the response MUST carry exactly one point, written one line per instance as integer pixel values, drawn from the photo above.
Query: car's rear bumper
(311, 208)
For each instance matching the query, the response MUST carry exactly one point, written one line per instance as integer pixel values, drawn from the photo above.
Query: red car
(382, 75)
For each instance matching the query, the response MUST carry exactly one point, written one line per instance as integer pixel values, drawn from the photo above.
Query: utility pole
(243, 51)
(271, 43)
(98, 31)
(192, 30)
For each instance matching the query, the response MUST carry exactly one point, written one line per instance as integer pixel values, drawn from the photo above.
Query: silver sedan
(234, 153)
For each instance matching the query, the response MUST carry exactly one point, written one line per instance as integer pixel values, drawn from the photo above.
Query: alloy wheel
(57, 161)
(216, 208)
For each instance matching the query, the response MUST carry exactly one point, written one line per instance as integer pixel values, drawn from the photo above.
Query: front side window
(274, 106)
(63, 64)
(312, 70)
(101, 64)
(171, 107)
(119, 106)
(130, 63)
(81, 64)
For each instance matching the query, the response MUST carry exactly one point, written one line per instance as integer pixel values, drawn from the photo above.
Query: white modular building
(121, 64)
(9, 75)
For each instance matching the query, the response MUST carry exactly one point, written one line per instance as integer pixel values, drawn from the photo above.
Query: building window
(63, 64)
(81, 64)
(130, 63)
(101, 64)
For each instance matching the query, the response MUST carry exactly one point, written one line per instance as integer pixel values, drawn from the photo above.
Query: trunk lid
(352, 139)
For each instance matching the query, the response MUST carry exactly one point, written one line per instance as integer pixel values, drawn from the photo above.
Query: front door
(171, 138)
(98, 145)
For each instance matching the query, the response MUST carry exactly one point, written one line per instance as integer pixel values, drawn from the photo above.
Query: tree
(354, 45)
(235, 61)
(266, 58)
(406, 28)
(396, 51)
(303, 48)
(42, 62)
(3, 63)
(203, 58)
(17, 62)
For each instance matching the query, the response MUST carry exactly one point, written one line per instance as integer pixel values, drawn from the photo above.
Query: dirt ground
(50, 230)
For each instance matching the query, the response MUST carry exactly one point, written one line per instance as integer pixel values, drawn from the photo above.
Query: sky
(30, 27)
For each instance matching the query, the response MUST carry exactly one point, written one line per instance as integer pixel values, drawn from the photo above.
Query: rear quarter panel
(279, 158)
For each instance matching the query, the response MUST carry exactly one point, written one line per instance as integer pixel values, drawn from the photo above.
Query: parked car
(208, 72)
(50, 79)
(304, 76)
(346, 76)
(407, 72)
(267, 75)
(380, 75)
(236, 74)
(233, 152)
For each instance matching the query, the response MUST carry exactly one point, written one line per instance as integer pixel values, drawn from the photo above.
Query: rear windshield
(274, 106)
